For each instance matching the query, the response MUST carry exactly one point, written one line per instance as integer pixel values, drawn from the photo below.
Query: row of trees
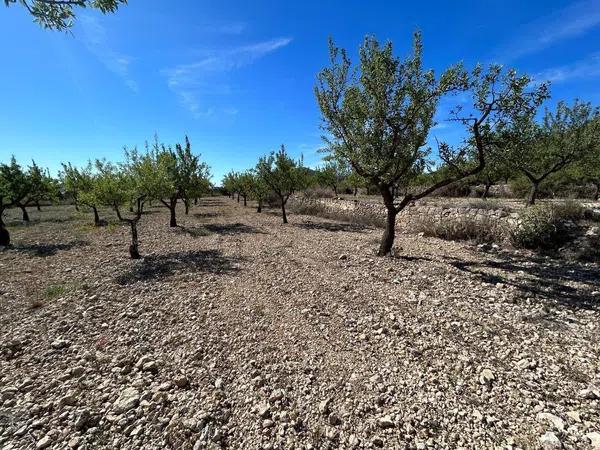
(160, 173)
(276, 173)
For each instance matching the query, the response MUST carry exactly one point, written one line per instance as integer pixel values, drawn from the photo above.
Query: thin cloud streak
(584, 69)
(96, 41)
(570, 22)
(190, 82)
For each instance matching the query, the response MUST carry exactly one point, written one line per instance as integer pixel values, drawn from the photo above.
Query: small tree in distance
(565, 137)
(81, 184)
(378, 118)
(259, 190)
(283, 175)
(17, 185)
(333, 174)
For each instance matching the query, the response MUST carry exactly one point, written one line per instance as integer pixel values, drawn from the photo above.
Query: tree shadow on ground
(157, 267)
(43, 250)
(206, 215)
(194, 232)
(212, 202)
(329, 226)
(232, 229)
(549, 279)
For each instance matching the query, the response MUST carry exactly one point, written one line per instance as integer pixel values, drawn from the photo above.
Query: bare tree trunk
(187, 206)
(597, 193)
(238, 197)
(96, 216)
(387, 240)
(283, 214)
(172, 206)
(76, 207)
(195, 201)
(25, 214)
(533, 193)
(486, 191)
(245, 203)
(355, 191)
(259, 207)
(133, 248)
(37, 204)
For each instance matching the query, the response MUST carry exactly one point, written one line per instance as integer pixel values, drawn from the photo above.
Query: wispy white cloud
(570, 22)
(232, 28)
(585, 68)
(190, 82)
(96, 40)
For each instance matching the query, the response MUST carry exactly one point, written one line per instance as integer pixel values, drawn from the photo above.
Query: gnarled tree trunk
(533, 192)
(283, 214)
(133, 248)
(96, 216)
(387, 240)
(25, 213)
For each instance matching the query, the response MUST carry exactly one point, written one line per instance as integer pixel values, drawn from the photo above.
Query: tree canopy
(60, 14)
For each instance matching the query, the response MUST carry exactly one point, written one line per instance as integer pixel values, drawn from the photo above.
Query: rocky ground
(236, 331)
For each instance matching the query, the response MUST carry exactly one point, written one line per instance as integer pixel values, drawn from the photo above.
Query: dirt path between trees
(236, 331)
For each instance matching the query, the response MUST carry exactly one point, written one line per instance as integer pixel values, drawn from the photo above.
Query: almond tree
(377, 117)
(43, 186)
(259, 190)
(193, 175)
(566, 136)
(17, 186)
(81, 184)
(244, 183)
(283, 175)
(230, 184)
(333, 173)
(129, 184)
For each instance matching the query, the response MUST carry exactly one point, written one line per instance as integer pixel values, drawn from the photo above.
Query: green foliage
(282, 174)
(60, 14)
(566, 136)
(43, 186)
(259, 190)
(379, 115)
(80, 184)
(16, 183)
(333, 174)
(54, 291)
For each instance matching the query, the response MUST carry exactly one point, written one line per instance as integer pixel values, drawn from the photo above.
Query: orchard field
(235, 331)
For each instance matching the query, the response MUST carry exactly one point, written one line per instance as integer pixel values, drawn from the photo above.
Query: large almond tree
(378, 116)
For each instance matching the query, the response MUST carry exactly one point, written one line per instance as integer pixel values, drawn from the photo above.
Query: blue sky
(238, 77)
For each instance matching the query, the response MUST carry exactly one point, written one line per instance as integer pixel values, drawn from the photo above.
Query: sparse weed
(465, 229)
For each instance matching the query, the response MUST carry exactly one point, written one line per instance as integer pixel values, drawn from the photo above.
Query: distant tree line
(159, 173)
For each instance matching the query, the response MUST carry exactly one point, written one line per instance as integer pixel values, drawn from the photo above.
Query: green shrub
(541, 227)
(54, 291)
